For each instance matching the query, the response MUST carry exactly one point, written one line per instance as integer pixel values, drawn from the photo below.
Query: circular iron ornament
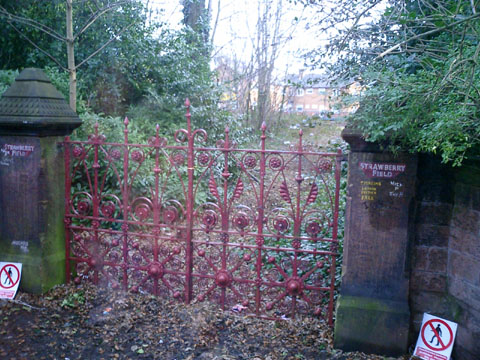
(178, 159)
(115, 242)
(170, 215)
(107, 209)
(177, 294)
(156, 270)
(116, 153)
(203, 159)
(142, 212)
(201, 253)
(200, 135)
(209, 219)
(259, 240)
(249, 161)
(220, 144)
(276, 162)
(95, 224)
(324, 164)
(281, 224)
(240, 221)
(206, 216)
(269, 306)
(313, 228)
(317, 312)
(296, 244)
(95, 263)
(78, 151)
(224, 237)
(83, 207)
(181, 136)
(137, 156)
(137, 259)
(113, 256)
(223, 278)
(247, 257)
(294, 286)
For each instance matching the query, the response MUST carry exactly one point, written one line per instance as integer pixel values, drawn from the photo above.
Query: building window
(314, 106)
(309, 91)
(299, 108)
(336, 92)
(300, 92)
(307, 106)
(322, 91)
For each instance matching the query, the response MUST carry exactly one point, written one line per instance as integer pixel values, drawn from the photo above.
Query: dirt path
(88, 323)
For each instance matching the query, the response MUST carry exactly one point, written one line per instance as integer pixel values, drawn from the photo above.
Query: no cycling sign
(436, 338)
(10, 274)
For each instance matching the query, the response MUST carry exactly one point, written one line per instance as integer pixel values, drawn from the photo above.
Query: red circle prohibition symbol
(430, 323)
(11, 281)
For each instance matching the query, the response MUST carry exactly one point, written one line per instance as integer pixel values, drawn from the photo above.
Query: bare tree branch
(433, 31)
(104, 45)
(37, 47)
(47, 30)
(95, 16)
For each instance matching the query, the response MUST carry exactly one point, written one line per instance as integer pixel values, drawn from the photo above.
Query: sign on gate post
(10, 274)
(436, 338)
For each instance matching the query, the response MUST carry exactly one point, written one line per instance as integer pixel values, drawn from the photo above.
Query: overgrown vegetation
(417, 62)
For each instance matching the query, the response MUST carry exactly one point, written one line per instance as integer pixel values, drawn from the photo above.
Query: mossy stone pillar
(372, 313)
(34, 118)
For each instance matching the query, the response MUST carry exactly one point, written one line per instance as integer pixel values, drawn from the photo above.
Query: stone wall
(445, 276)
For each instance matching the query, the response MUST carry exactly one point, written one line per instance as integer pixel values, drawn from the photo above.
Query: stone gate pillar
(34, 118)
(372, 310)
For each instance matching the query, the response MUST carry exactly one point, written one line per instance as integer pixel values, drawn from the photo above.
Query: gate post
(372, 313)
(34, 118)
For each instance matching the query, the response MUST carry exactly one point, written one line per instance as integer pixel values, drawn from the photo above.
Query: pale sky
(235, 30)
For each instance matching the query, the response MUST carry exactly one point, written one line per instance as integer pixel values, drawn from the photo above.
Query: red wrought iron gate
(251, 229)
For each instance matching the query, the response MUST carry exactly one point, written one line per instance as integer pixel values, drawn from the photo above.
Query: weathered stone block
(437, 260)
(464, 267)
(466, 219)
(420, 258)
(465, 292)
(440, 304)
(371, 325)
(432, 235)
(424, 280)
(464, 242)
(434, 213)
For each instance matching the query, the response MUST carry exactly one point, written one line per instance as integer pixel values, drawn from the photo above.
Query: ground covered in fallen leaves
(86, 322)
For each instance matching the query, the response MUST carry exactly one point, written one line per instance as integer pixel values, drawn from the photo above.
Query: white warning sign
(10, 274)
(436, 338)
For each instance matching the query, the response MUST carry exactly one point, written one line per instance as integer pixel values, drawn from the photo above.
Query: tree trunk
(71, 58)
